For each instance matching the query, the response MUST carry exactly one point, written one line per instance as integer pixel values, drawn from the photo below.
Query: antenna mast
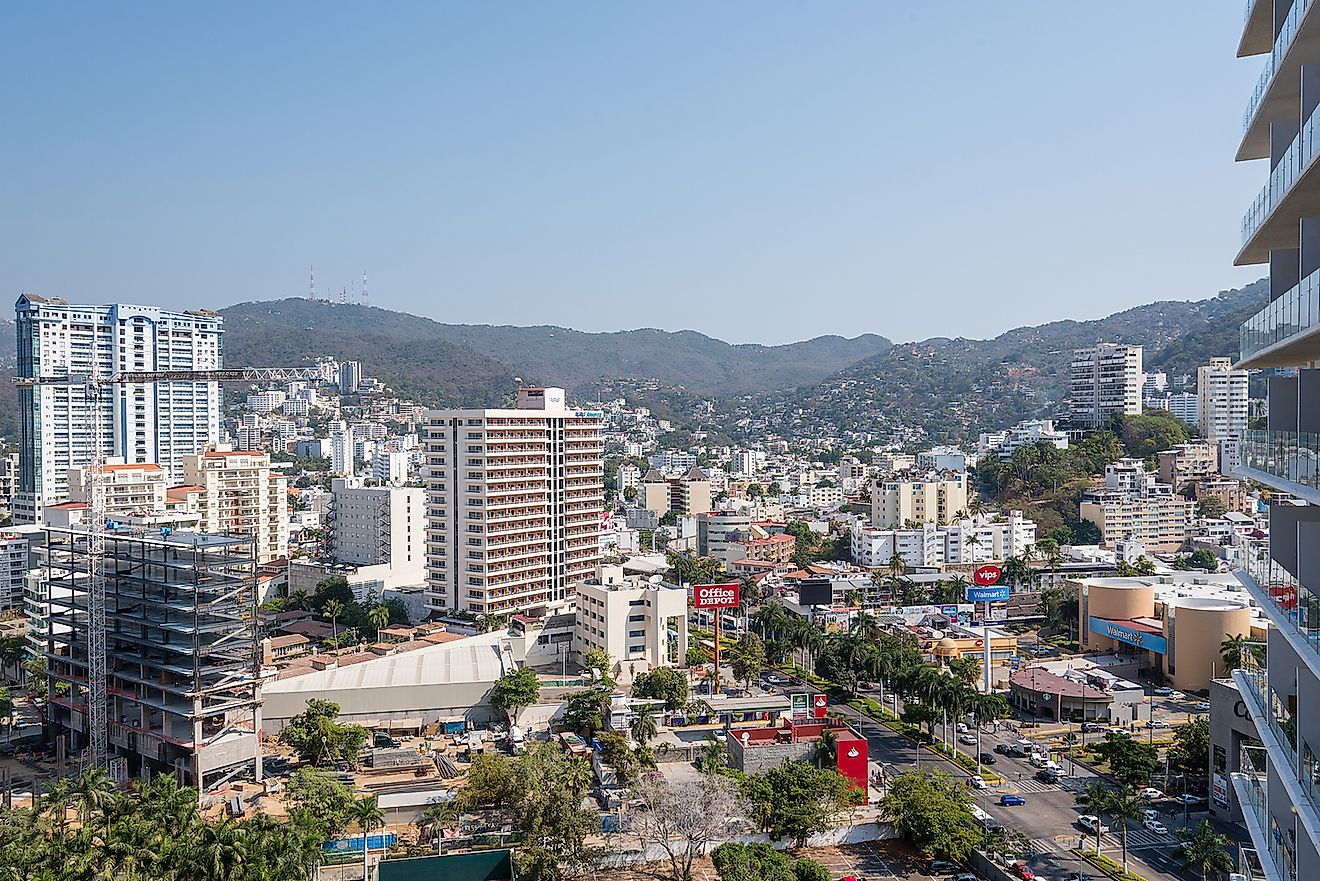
(364, 288)
(311, 283)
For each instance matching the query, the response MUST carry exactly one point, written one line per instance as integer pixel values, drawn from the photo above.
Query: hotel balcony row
(1286, 455)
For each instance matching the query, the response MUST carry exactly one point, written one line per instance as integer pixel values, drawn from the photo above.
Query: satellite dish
(656, 579)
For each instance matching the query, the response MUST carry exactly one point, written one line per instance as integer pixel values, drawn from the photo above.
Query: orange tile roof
(145, 466)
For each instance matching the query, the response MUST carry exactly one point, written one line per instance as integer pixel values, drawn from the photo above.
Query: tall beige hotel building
(514, 503)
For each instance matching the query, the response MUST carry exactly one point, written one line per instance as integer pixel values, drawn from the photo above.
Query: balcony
(1278, 90)
(1290, 606)
(1271, 221)
(1250, 785)
(1284, 333)
(1257, 28)
(1289, 460)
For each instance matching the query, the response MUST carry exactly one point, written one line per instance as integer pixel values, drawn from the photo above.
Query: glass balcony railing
(1282, 318)
(1282, 43)
(1291, 455)
(1254, 786)
(1283, 726)
(1295, 159)
(1299, 607)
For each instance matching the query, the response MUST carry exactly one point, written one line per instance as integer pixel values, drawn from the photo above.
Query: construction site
(181, 650)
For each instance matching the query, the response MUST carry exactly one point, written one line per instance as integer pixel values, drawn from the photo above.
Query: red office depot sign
(987, 575)
(715, 596)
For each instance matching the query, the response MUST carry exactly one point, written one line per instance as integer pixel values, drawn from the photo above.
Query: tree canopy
(515, 690)
(933, 812)
(761, 862)
(663, 684)
(797, 800)
(320, 738)
(1130, 761)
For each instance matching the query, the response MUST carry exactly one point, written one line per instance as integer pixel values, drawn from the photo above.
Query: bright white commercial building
(641, 624)
(1106, 379)
(140, 422)
(980, 539)
(514, 502)
(341, 448)
(1222, 398)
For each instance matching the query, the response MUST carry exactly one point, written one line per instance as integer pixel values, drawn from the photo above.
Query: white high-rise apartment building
(350, 377)
(142, 422)
(390, 466)
(341, 448)
(514, 503)
(380, 525)
(1106, 379)
(242, 496)
(1222, 396)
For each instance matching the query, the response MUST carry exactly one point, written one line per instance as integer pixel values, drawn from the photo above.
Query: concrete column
(1309, 260)
(1285, 271)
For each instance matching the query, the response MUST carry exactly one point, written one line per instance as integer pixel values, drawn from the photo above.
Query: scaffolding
(183, 690)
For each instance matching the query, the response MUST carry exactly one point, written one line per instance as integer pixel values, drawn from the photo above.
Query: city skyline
(498, 177)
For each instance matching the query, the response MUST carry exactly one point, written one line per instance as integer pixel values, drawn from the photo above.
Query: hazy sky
(756, 171)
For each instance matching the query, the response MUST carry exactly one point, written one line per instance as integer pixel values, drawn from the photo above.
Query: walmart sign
(988, 594)
(1149, 641)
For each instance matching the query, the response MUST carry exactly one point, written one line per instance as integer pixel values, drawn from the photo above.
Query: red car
(1023, 871)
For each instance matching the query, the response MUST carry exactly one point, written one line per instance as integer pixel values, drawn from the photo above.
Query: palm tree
(299, 599)
(366, 812)
(643, 726)
(977, 506)
(56, 802)
(1205, 851)
(1240, 651)
(865, 624)
(94, 792)
(827, 749)
(1017, 572)
(379, 616)
(896, 565)
(1122, 806)
(435, 818)
(333, 609)
(1097, 799)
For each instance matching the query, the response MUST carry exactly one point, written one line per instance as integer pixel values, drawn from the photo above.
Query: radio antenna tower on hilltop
(311, 283)
(364, 288)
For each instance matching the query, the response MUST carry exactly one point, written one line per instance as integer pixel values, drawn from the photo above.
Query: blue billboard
(993, 594)
(1151, 642)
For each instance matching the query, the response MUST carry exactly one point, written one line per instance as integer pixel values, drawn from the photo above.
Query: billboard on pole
(715, 596)
(988, 594)
(986, 575)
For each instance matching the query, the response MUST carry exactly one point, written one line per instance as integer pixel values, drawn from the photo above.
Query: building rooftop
(1043, 680)
(474, 659)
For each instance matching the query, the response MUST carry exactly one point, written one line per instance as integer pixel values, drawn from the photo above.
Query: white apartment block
(1106, 379)
(266, 402)
(349, 377)
(240, 494)
(639, 624)
(514, 503)
(943, 459)
(8, 479)
(1002, 444)
(140, 422)
(674, 460)
(390, 466)
(380, 525)
(627, 476)
(1222, 399)
(980, 539)
(128, 489)
(939, 499)
(341, 449)
(13, 568)
(1154, 385)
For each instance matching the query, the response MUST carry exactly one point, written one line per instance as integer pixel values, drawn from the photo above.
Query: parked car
(967, 876)
(1092, 726)
(1089, 822)
(1188, 799)
(1149, 814)
(1150, 793)
(1162, 691)
(976, 781)
(962, 727)
(988, 759)
(1011, 800)
(1078, 876)
(866, 686)
(1157, 723)
(969, 739)
(941, 867)
(1023, 871)
(1156, 826)
(1002, 749)
(1203, 706)
(1178, 696)
(775, 679)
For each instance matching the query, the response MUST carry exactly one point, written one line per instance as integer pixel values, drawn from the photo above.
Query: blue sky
(756, 171)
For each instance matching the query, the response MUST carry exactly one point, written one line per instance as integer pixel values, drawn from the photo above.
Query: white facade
(390, 466)
(673, 460)
(242, 495)
(265, 402)
(141, 422)
(1106, 379)
(341, 448)
(128, 489)
(980, 539)
(514, 501)
(1002, 444)
(1222, 399)
(942, 459)
(380, 525)
(13, 568)
(627, 476)
(640, 624)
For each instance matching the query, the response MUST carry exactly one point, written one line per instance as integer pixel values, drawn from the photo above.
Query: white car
(962, 727)
(976, 781)
(1150, 793)
(1177, 696)
(1186, 799)
(1156, 826)
(1089, 822)
(1203, 706)
(969, 739)
(1157, 723)
(1148, 814)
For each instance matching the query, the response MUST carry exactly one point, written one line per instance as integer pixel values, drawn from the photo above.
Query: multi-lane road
(1049, 816)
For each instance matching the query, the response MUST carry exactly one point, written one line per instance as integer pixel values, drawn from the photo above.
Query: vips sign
(715, 596)
(987, 589)
(984, 576)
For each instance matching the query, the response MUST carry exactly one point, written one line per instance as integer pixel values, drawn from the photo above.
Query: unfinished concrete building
(182, 650)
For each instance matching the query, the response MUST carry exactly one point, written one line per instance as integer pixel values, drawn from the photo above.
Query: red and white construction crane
(97, 518)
